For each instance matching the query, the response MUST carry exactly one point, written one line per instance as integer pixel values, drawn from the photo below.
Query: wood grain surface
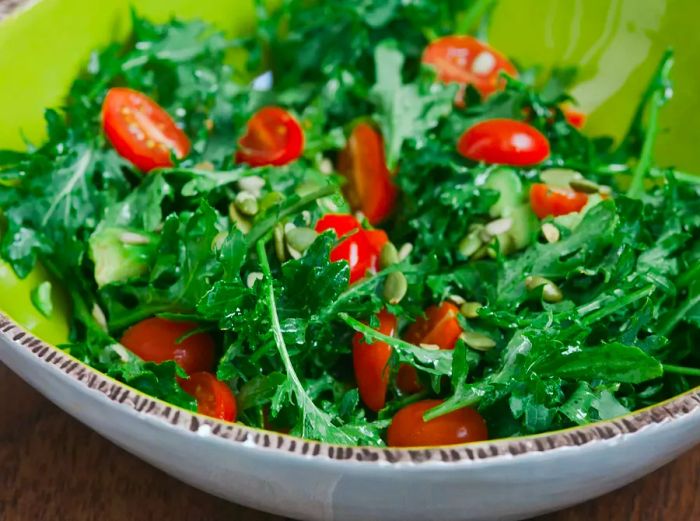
(48, 462)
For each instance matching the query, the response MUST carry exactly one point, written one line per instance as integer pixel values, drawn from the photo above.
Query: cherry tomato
(273, 137)
(371, 364)
(439, 327)
(546, 200)
(156, 340)
(575, 117)
(408, 429)
(214, 398)
(504, 142)
(363, 162)
(140, 130)
(361, 249)
(407, 379)
(467, 61)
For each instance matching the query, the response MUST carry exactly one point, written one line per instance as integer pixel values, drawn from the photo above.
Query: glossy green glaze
(615, 43)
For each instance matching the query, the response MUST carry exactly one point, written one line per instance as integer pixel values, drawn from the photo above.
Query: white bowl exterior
(320, 488)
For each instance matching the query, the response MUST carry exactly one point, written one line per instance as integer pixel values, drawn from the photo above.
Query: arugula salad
(362, 225)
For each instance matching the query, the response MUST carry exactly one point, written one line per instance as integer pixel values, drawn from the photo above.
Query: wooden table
(46, 458)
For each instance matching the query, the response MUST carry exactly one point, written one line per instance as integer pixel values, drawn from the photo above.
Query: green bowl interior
(615, 44)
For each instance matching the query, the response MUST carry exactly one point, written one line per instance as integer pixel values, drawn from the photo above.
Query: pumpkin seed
(559, 177)
(247, 204)
(405, 251)
(301, 238)
(134, 238)
(278, 234)
(218, 241)
(253, 184)
(395, 287)
(389, 256)
(550, 291)
(605, 191)
(270, 200)
(470, 244)
(584, 186)
(456, 299)
(477, 341)
(236, 218)
(551, 233)
(499, 226)
(207, 166)
(470, 309)
(252, 278)
(430, 347)
(99, 316)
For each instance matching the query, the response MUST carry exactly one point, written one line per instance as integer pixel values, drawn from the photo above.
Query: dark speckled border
(236, 433)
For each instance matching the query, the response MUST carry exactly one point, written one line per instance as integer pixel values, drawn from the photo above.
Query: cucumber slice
(559, 177)
(524, 227)
(506, 182)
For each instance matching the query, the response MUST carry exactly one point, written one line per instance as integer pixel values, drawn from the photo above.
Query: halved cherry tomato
(274, 137)
(407, 379)
(575, 117)
(371, 364)
(439, 327)
(363, 162)
(156, 340)
(408, 429)
(546, 200)
(361, 249)
(140, 130)
(214, 398)
(467, 61)
(504, 142)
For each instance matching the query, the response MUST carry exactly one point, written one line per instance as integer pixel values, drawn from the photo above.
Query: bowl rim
(94, 381)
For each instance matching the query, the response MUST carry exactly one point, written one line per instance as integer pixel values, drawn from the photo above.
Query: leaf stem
(677, 369)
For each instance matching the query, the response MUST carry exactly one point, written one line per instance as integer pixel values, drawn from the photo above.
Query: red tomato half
(546, 200)
(361, 249)
(140, 130)
(363, 162)
(467, 61)
(575, 117)
(156, 340)
(439, 327)
(504, 142)
(214, 398)
(371, 364)
(408, 429)
(274, 137)
(407, 379)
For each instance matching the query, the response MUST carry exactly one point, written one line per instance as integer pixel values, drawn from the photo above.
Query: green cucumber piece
(524, 227)
(507, 183)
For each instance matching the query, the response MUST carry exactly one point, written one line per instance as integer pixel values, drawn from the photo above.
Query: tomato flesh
(467, 61)
(546, 201)
(273, 138)
(361, 249)
(408, 429)
(504, 142)
(214, 398)
(370, 188)
(371, 364)
(141, 131)
(407, 379)
(156, 340)
(439, 327)
(575, 117)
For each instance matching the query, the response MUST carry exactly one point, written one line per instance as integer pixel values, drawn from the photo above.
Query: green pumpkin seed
(499, 226)
(470, 309)
(456, 299)
(470, 244)
(389, 256)
(405, 251)
(550, 291)
(270, 200)
(551, 233)
(301, 238)
(584, 186)
(477, 341)
(252, 278)
(218, 241)
(278, 235)
(132, 238)
(247, 204)
(395, 287)
(253, 184)
(99, 316)
(236, 218)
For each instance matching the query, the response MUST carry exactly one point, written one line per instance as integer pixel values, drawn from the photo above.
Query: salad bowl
(505, 479)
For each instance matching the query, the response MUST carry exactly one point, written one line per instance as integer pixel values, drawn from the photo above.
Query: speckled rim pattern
(96, 382)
